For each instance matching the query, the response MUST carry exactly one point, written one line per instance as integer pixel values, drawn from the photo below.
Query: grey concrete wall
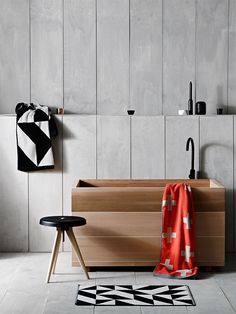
(90, 146)
(14, 54)
(105, 56)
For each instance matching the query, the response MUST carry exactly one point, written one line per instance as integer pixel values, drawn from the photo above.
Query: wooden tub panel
(139, 199)
(143, 224)
(127, 251)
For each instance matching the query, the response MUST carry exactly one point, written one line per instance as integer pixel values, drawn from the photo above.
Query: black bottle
(190, 101)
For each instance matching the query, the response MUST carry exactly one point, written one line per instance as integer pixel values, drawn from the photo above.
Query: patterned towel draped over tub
(178, 233)
(34, 128)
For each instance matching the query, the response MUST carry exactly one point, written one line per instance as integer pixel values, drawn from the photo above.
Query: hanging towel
(34, 128)
(178, 233)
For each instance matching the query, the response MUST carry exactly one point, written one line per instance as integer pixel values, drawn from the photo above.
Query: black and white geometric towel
(134, 295)
(34, 128)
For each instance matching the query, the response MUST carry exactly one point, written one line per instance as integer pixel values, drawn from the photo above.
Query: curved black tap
(192, 171)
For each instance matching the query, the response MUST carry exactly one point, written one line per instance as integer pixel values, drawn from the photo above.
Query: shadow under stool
(63, 224)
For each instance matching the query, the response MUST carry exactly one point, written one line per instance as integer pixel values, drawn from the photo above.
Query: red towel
(178, 233)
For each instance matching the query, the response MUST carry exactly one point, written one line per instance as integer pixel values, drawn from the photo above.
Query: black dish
(130, 112)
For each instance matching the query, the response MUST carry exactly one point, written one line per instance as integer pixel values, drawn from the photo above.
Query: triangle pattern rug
(102, 295)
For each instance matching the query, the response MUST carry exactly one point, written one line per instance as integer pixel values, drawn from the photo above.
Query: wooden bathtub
(124, 221)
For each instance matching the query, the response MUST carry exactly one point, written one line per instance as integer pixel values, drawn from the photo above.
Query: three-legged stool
(63, 224)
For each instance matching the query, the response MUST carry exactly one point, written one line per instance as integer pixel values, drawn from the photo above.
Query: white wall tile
(147, 147)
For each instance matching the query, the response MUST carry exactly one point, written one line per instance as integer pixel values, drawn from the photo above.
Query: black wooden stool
(63, 224)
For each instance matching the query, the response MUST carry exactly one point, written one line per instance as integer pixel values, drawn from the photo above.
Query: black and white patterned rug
(134, 295)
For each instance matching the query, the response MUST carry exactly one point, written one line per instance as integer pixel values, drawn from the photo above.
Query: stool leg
(71, 236)
(54, 253)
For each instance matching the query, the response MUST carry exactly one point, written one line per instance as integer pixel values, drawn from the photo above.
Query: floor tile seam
(3, 296)
(95, 277)
(218, 280)
(113, 281)
(11, 279)
(141, 310)
(225, 295)
(45, 303)
(14, 291)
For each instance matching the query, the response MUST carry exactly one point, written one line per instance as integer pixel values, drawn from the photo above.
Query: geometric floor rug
(144, 295)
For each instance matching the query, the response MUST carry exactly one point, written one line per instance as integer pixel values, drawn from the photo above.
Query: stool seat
(63, 222)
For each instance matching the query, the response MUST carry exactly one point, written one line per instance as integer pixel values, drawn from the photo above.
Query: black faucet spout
(192, 170)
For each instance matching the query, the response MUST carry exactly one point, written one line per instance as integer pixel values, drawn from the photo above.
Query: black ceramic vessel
(200, 107)
(219, 110)
(130, 112)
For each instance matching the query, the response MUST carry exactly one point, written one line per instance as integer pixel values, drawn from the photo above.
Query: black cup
(219, 110)
(200, 107)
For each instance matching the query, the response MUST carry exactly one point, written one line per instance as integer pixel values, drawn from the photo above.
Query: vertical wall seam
(28, 208)
(63, 53)
(130, 148)
(28, 180)
(233, 197)
(129, 105)
(62, 120)
(30, 61)
(200, 155)
(195, 57)
(162, 56)
(228, 56)
(199, 147)
(63, 97)
(62, 170)
(62, 164)
(165, 161)
(129, 100)
(96, 74)
(96, 147)
(96, 56)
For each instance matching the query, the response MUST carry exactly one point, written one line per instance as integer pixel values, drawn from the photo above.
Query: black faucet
(192, 171)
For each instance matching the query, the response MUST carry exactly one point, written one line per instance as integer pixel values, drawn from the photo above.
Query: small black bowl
(130, 112)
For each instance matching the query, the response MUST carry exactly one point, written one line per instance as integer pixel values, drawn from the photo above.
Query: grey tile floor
(23, 288)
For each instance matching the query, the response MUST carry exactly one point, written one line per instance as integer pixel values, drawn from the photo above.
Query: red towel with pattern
(178, 233)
